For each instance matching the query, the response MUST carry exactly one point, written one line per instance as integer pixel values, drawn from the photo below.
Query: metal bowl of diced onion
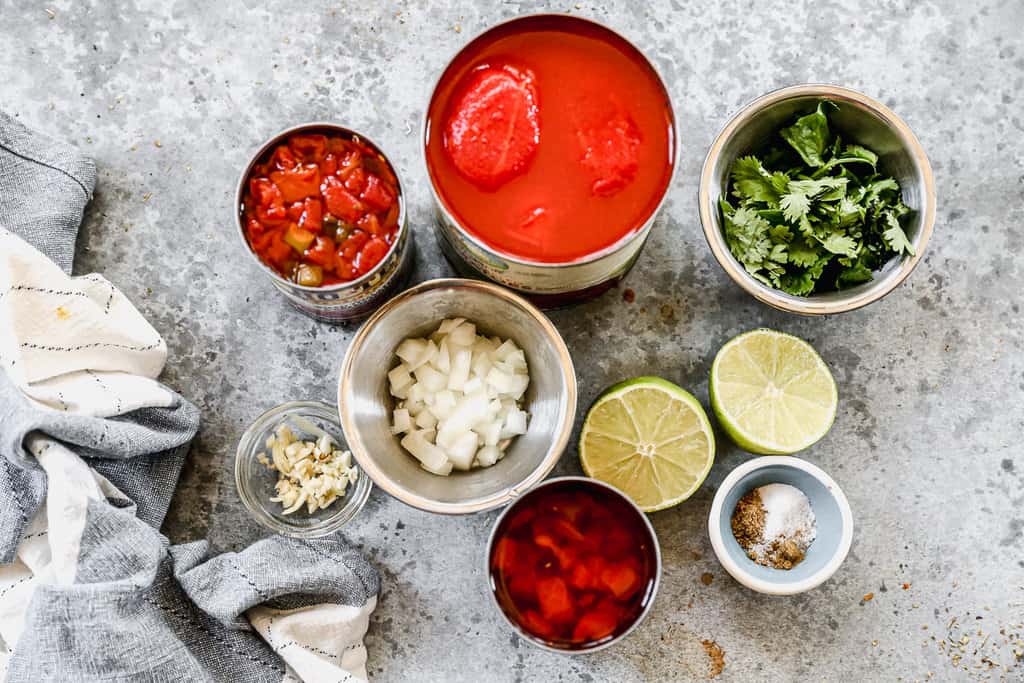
(367, 405)
(304, 507)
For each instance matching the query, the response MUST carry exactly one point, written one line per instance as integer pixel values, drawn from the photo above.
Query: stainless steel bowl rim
(636, 622)
(348, 507)
(589, 258)
(240, 193)
(789, 302)
(359, 449)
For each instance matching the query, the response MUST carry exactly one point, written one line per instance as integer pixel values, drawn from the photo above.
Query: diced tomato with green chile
(325, 204)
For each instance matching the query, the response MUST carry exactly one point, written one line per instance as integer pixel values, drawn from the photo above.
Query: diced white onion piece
(521, 382)
(463, 335)
(446, 436)
(443, 360)
(488, 455)
(426, 420)
(481, 364)
(502, 382)
(461, 362)
(399, 376)
(411, 350)
(417, 392)
(432, 380)
(444, 404)
(403, 423)
(462, 451)
(414, 407)
(472, 386)
(443, 471)
(427, 453)
(507, 348)
(449, 325)
(491, 432)
(515, 423)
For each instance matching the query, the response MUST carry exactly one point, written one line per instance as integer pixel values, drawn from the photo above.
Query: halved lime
(650, 439)
(772, 392)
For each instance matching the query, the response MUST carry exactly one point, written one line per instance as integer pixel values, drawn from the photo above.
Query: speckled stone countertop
(172, 97)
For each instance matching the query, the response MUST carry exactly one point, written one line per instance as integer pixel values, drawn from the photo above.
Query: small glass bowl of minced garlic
(780, 525)
(295, 474)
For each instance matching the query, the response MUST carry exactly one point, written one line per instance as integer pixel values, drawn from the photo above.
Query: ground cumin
(748, 520)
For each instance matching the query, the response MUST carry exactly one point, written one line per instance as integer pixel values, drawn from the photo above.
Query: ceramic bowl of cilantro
(817, 199)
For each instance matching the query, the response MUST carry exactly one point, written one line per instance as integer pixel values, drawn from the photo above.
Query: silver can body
(348, 300)
(545, 284)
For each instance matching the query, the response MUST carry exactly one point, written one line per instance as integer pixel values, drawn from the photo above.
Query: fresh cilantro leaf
(795, 205)
(875, 191)
(838, 243)
(751, 181)
(803, 254)
(809, 136)
(856, 274)
(895, 237)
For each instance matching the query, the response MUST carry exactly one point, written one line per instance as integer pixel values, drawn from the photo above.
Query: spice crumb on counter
(314, 474)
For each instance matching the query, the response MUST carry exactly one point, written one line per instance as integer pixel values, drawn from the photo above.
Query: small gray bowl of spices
(780, 525)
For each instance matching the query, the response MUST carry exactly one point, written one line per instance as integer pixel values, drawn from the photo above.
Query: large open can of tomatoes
(550, 143)
(323, 213)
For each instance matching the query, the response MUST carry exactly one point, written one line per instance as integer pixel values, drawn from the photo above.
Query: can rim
(589, 258)
(281, 282)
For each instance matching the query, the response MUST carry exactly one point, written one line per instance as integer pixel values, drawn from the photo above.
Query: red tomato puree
(573, 564)
(550, 139)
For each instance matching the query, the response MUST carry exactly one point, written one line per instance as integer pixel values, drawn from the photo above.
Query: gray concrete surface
(171, 98)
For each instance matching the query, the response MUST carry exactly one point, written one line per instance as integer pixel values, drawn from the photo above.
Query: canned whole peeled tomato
(550, 143)
(323, 213)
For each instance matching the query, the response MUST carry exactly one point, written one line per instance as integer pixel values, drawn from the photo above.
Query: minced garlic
(314, 474)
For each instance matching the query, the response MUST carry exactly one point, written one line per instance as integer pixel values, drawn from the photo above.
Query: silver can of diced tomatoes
(352, 299)
(547, 284)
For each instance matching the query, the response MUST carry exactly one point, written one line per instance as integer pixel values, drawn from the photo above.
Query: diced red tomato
(538, 625)
(554, 599)
(564, 557)
(622, 580)
(295, 210)
(390, 222)
(596, 624)
(354, 244)
(371, 224)
(580, 577)
(355, 180)
(278, 251)
(372, 254)
(265, 193)
(312, 218)
(340, 202)
(376, 194)
(298, 183)
(309, 147)
(505, 554)
(329, 166)
(283, 158)
(322, 252)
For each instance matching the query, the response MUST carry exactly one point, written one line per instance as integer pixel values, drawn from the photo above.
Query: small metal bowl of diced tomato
(322, 212)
